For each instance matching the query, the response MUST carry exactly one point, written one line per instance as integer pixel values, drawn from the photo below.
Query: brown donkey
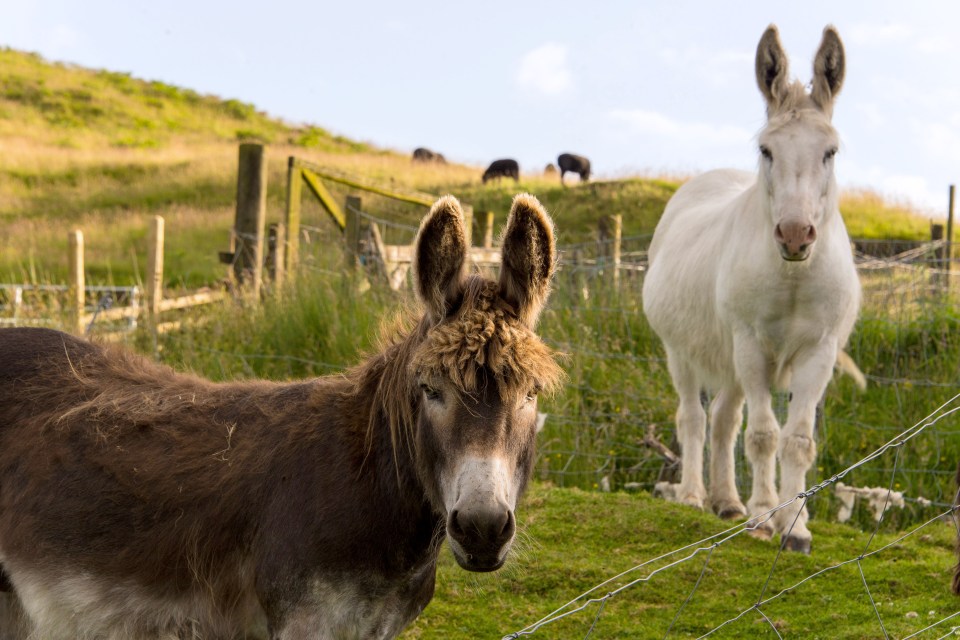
(136, 502)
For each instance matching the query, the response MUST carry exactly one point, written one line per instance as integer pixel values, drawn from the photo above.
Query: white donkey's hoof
(761, 529)
(794, 543)
(729, 509)
(674, 493)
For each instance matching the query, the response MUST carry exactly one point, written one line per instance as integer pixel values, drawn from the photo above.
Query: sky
(639, 87)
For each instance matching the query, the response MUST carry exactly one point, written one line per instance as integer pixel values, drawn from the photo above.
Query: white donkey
(752, 285)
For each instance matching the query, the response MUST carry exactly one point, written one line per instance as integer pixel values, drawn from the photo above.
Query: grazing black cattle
(574, 164)
(421, 154)
(504, 168)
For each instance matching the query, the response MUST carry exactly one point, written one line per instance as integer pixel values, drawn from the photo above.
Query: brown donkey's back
(146, 475)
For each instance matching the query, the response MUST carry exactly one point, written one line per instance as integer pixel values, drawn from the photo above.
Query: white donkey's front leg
(754, 370)
(798, 449)
(691, 431)
(726, 421)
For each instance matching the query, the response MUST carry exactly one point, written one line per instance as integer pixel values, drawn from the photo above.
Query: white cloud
(651, 123)
(544, 70)
(937, 45)
(871, 115)
(916, 190)
(879, 34)
(873, 35)
(61, 40)
(716, 67)
(941, 140)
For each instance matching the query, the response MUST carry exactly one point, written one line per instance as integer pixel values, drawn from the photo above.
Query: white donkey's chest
(794, 305)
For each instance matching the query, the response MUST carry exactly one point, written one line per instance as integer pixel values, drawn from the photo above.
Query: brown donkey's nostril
(482, 527)
(509, 527)
(456, 529)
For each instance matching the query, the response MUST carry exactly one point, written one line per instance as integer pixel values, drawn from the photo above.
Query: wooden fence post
(294, 188)
(488, 232)
(609, 231)
(936, 233)
(17, 301)
(351, 210)
(949, 247)
(276, 242)
(154, 281)
(251, 216)
(615, 254)
(77, 288)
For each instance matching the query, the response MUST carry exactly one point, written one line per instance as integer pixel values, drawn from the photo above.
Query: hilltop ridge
(70, 106)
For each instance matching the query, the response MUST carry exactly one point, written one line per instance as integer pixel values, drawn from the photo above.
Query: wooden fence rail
(81, 318)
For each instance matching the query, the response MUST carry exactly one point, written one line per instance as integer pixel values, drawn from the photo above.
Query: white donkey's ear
(772, 69)
(440, 257)
(829, 67)
(528, 258)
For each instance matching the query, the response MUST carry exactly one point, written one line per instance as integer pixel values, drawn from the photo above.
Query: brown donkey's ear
(772, 69)
(440, 257)
(829, 67)
(529, 257)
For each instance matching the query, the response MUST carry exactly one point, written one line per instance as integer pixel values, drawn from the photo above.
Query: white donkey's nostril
(794, 237)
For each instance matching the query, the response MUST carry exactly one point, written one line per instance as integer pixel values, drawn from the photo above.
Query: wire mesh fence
(619, 387)
(893, 620)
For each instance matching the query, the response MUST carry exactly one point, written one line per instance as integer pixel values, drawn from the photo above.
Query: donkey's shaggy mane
(483, 332)
(486, 333)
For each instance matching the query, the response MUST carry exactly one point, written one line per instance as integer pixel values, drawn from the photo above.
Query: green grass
(572, 541)
(69, 106)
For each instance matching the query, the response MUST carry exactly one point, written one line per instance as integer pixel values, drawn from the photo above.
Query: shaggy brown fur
(136, 501)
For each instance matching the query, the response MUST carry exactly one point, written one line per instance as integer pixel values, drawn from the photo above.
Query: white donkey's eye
(766, 153)
(828, 154)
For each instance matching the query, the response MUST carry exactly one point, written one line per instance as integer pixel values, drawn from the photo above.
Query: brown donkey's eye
(430, 392)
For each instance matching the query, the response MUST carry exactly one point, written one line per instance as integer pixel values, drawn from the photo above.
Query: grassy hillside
(52, 104)
(103, 151)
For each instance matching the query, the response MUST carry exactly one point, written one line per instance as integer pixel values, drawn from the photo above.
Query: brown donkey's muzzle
(480, 534)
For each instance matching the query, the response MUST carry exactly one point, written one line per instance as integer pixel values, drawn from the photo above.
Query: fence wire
(706, 547)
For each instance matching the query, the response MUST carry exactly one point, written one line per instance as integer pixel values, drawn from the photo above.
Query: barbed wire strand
(830, 568)
(722, 537)
(703, 571)
(873, 534)
(949, 633)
